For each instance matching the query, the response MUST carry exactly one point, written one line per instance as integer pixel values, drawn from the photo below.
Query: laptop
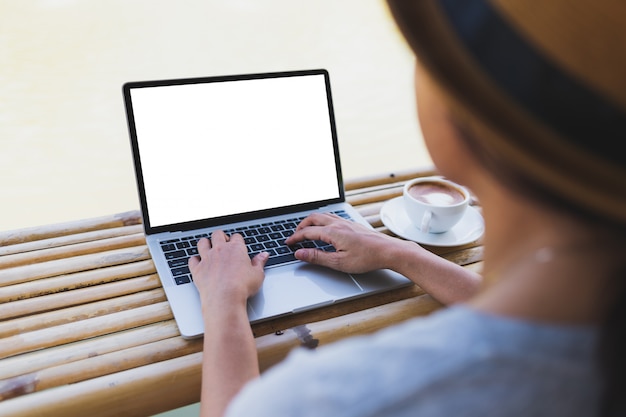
(252, 154)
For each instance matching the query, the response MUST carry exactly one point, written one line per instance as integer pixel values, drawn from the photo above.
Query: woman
(524, 104)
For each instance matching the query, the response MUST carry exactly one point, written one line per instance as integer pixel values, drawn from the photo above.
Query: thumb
(260, 259)
(313, 256)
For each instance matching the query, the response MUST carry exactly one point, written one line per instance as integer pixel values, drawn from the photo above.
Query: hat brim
(506, 127)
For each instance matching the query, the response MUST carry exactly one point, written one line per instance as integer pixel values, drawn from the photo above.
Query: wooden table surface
(85, 328)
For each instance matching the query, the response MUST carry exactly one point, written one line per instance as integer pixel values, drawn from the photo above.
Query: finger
(238, 243)
(236, 237)
(260, 260)
(314, 219)
(218, 237)
(316, 257)
(308, 233)
(203, 245)
(193, 262)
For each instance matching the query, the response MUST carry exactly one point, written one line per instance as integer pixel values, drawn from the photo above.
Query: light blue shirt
(455, 362)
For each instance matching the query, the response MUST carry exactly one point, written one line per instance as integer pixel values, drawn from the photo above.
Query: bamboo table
(85, 328)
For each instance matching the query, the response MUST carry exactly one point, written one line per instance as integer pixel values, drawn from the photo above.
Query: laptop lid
(216, 150)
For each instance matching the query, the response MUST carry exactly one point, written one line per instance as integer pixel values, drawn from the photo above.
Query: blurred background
(65, 151)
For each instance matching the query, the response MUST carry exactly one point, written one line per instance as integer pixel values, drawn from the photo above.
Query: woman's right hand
(358, 248)
(361, 249)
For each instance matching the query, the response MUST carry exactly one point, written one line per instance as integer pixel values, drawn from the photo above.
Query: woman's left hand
(223, 271)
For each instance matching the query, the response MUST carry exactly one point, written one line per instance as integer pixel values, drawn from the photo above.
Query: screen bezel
(235, 218)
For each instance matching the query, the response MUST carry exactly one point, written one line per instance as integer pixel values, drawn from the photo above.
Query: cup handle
(425, 227)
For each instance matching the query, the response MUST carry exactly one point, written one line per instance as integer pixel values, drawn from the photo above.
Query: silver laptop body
(230, 153)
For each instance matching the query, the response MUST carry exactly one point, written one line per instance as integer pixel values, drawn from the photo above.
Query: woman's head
(537, 93)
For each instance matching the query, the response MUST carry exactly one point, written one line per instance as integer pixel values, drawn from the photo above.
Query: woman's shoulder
(465, 331)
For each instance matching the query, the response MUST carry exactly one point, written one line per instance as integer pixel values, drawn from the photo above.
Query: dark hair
(611, 351)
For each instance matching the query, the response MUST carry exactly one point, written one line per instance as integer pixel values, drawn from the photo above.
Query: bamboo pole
(88, 348)
(43, 286)
(139, 392)
(62, 252)
(81, 312)
(74, 238)
(386, 178)
(372, 209)
(68, 265)
(12, 237)
(97, 366)
(66, 299)
(72, 332)
(374, 196)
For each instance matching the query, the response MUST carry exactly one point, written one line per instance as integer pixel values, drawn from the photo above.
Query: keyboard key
(282, 250)
(170, 241)
(168, 247)
(280, 259)
(176, 263)
(183, 245)
(180, 271)
(175, 254)
(183, 279)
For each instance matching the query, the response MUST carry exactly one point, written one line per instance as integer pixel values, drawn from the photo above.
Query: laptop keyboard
(269, 237)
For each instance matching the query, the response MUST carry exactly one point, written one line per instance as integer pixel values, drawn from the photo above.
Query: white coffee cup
(435, 204)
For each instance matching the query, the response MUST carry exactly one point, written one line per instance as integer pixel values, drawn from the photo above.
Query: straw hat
(543, 82)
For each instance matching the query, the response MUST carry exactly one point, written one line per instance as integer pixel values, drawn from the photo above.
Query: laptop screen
(216, 147)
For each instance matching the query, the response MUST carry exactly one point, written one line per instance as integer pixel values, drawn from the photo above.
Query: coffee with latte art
(436, 193)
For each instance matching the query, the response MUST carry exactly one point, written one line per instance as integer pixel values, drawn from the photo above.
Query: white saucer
(469, 229)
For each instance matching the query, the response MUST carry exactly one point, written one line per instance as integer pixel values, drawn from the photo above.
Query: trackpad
(299, 287)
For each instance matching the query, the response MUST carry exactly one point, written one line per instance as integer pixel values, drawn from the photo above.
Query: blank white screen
(215, 149)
